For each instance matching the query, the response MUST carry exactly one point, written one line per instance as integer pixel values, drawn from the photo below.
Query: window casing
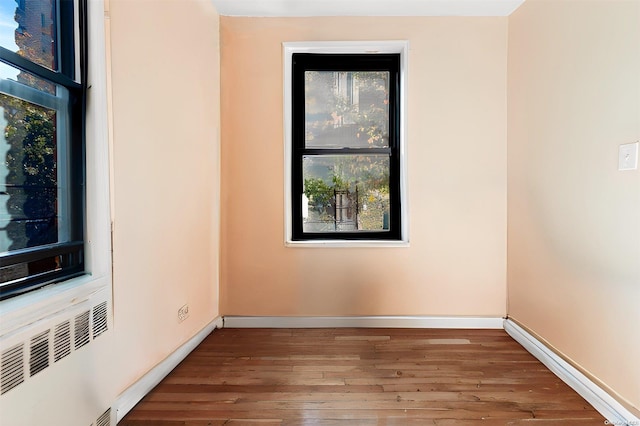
(42, 108)
(345, 146)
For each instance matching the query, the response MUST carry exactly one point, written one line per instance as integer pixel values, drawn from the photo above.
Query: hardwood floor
(361, 377)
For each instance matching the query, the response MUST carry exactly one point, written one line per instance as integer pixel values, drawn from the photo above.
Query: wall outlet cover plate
(628, 156)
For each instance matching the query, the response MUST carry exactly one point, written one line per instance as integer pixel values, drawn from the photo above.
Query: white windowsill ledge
(26, 309)
(346, 243)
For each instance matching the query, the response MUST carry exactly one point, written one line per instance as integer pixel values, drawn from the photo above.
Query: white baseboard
(130, 397)
(363, 321)
(605, 404)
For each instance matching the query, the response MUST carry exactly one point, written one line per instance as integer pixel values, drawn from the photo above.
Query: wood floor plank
(361, 376)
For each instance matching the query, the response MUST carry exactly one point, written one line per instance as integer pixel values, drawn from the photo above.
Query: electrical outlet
(183, 313)
(628, 156)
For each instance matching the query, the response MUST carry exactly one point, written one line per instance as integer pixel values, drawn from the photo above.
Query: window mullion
(345, 151)
(39, 252)
(35, 96)
(24, 64)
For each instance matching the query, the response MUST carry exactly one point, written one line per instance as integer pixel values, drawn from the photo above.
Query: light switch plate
(628, 156)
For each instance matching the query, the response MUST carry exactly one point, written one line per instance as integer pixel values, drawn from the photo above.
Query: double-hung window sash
(42, 101)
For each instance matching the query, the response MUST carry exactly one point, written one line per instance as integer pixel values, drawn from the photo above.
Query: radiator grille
(49, 343)
(62, 341)
(82, 330)
(104, 419)
(12, 369)
(39, 359)
(99, 319)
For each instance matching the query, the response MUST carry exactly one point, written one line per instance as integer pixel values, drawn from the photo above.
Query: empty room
(319, 212)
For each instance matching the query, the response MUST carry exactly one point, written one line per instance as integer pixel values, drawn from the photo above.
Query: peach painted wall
(165, 82)
(456, 263)
(165, 207)
(574, 219)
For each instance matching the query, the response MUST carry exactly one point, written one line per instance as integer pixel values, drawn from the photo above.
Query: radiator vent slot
(104, 419)
(12, 369)
(82, 330)
(62, 341)
(99, 319)
(39, 359)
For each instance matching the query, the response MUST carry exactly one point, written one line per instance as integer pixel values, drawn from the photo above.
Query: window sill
(26, 309)
(346, 243)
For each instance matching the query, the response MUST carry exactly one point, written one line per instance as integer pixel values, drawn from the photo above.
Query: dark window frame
(302, 62)
(69, 254)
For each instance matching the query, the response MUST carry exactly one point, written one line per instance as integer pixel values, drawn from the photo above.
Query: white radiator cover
(40, 353)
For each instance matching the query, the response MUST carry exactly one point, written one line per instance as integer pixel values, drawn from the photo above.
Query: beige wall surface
(574, 228)
(456, 263)
(165, 70)
(165, 73)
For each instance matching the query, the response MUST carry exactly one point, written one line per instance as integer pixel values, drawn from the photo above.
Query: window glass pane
(32, 208)
(346, 193)
(28, 28)
(41, 158)
(346, 109)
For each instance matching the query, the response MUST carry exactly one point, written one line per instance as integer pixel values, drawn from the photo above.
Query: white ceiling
(301, 8)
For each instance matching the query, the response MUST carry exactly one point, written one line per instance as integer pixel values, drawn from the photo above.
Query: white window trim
(346, 47)
(24, 310)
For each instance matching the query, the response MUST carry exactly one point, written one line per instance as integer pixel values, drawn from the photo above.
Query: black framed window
(345, 171)
(42, 112)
